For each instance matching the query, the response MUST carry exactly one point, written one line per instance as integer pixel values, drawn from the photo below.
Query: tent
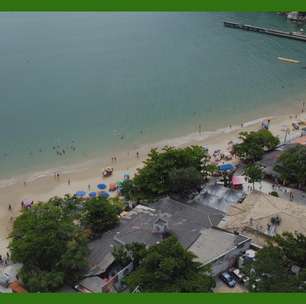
(237, 181)
(226, 167)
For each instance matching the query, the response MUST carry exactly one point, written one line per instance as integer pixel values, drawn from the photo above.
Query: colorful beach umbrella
(104, 194)
(92, 194)
(101, 186)
(80, 193)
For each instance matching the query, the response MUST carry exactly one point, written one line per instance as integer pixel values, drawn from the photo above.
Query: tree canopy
(99, 215)
(291, 166)
(52, 249)
(254, 173)
(254, 144)
(273, 269)
(165, 168)
(168, 267)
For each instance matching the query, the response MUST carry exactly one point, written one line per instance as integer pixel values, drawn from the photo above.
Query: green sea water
(92, 84)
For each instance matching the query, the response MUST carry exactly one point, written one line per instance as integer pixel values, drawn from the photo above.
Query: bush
(274, 193)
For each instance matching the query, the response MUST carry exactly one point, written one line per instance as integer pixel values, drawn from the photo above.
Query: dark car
(228, 279)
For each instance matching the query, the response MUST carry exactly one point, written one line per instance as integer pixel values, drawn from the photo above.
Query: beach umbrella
(101, 186)
(104, 194)
(92, 194)
(80, 193)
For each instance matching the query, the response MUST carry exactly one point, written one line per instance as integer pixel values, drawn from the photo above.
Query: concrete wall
(229, 259)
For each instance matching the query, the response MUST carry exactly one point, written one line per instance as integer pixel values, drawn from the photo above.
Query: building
(148, 225)
(219, 248)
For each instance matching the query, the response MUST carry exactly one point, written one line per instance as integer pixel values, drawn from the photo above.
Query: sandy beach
(41, 187)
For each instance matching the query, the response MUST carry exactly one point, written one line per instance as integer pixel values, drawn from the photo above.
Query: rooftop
(257, 210)
(214, 243)
(185, 221)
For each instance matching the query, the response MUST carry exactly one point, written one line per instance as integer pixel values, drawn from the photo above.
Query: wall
(229, 259)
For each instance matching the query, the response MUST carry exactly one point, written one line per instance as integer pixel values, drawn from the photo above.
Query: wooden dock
(289, 35)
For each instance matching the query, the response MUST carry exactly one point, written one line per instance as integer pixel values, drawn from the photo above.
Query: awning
(226, 167)
(237, 180)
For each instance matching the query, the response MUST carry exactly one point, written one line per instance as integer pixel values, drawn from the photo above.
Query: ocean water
(92, 84)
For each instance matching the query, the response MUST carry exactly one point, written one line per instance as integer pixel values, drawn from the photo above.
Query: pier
(290, 35)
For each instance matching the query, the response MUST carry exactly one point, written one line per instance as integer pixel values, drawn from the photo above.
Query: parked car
(228, 279)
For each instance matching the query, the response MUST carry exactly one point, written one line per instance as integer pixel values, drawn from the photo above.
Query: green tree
(99, 216)
(254, 172)
(125, 254)
(291, 166)
(183, 181)
(118, 203)
(153, 180)
(168, 267)
(254, 144)
(43, 238)
(272, 269)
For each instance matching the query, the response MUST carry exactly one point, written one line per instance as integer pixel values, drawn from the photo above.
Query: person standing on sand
(68, 181)
(88, 187)
(137, 155)
(9, 207)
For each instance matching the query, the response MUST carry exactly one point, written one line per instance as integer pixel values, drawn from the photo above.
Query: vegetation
(254, 173)
(124, 255)
(184, 180)
(280, 266)
(117, 203)
(188, 167)
(291, 166)
(52, 249)
(168, 267)
(254, 144)
(99, 216)
(274, 193)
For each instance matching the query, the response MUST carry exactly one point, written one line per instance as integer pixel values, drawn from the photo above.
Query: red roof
(17, 287)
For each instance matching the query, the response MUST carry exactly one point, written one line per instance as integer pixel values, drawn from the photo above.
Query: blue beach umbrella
(104, 194)
(226, 167)
(101, 186)
(80, 193)
(92, 194)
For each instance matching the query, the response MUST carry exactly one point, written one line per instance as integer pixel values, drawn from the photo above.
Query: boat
(288, 60)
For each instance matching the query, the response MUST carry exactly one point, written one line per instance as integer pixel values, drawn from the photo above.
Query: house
(219, 248)
(148, 225)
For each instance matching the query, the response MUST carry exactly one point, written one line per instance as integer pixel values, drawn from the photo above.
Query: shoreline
(41, 186)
